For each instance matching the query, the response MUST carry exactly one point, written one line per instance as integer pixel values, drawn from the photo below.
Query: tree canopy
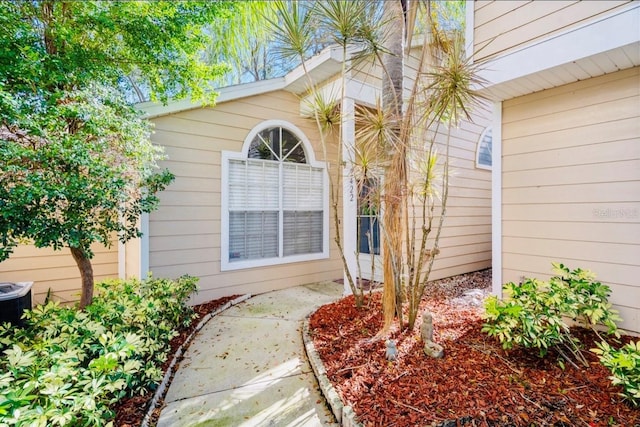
(54, 44)
(249, 43)
(76, 162)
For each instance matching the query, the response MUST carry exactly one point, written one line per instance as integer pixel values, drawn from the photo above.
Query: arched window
(483, 153)
(274, 200)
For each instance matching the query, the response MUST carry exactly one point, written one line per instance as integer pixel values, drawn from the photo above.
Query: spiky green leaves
(295, 30)
(451, 91)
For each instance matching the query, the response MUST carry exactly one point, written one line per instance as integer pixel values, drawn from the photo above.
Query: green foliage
(527, 317)
(67, 367)
(533, 313)
(80, 171)
(245, 41)
(49, 44)
(624, 364)
(76, 162)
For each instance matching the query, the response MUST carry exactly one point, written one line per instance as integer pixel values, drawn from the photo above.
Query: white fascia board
(606, 34)
(469, 27)
(318, 67)
(152, 109)
(496, 201)
(228, 93)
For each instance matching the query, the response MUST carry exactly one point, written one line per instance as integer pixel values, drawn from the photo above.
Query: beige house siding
(185, 233)
(465, 243)
(503, 26)
(56, 271)
(571, 184)
(466, 236)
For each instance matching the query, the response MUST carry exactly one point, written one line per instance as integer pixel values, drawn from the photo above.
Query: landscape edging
(162, 388)
(344, 414)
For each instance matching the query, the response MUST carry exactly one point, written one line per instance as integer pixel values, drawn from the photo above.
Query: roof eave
(612, 43)
(319, 68)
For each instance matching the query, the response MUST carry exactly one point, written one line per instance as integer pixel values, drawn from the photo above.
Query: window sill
(268, 262)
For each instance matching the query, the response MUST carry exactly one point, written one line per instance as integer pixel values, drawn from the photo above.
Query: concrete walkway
(247, 366)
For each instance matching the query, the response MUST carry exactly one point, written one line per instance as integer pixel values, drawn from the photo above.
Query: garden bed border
(344, 414)
(166, 381)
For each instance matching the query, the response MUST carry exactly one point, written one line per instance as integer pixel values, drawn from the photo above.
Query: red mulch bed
(130, 412)
(475, 384)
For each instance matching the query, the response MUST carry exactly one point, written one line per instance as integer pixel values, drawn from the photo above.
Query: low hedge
(67, 367)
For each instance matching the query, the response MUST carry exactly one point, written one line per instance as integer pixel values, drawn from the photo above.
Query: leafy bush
(67, 367)
(533, 313)
(624, 364)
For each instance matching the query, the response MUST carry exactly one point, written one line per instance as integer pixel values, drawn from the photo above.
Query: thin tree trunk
(86, 274)
(395, 175)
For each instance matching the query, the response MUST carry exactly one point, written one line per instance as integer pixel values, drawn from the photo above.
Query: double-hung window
(274, 200)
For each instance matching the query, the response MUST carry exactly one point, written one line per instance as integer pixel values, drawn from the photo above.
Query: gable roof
(320, 67)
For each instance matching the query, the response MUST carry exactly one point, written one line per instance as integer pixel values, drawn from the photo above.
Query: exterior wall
(131, 257)
(503, 26)
(465, 243)
(185, 233)
(56, 270)
(571, 184)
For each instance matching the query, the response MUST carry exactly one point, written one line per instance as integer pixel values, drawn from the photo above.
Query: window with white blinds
(275, 201)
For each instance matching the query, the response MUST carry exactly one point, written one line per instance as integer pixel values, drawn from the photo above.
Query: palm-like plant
(398, 136)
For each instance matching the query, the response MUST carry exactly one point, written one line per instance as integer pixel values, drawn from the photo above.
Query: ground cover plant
(68, 367)
(131, 411)
(477, 382)
(535, 313)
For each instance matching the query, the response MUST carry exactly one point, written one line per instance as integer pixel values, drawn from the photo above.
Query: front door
(369, 259)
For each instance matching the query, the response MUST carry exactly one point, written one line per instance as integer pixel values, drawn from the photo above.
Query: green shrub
(534, 313)
(68, 367)
(624, 364)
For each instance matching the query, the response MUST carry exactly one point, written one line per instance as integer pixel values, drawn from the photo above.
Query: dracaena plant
(394, 138)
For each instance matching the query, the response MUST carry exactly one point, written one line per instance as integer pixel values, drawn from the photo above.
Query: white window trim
(479, 145)
(469, 27)
(225, 265)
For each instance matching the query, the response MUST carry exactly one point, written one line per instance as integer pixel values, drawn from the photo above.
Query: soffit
(601, 47)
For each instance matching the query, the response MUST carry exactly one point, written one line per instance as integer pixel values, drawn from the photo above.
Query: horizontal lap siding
(501, 26)
(465, 243)
(185, 232)
(571, 184)
(56, 271)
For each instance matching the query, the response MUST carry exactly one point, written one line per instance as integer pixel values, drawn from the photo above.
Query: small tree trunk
(86, 274)
(395, 174)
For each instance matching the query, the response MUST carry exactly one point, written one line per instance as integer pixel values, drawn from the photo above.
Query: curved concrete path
(247, 366)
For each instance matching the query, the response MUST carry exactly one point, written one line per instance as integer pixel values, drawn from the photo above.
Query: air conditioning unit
(15, 298)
